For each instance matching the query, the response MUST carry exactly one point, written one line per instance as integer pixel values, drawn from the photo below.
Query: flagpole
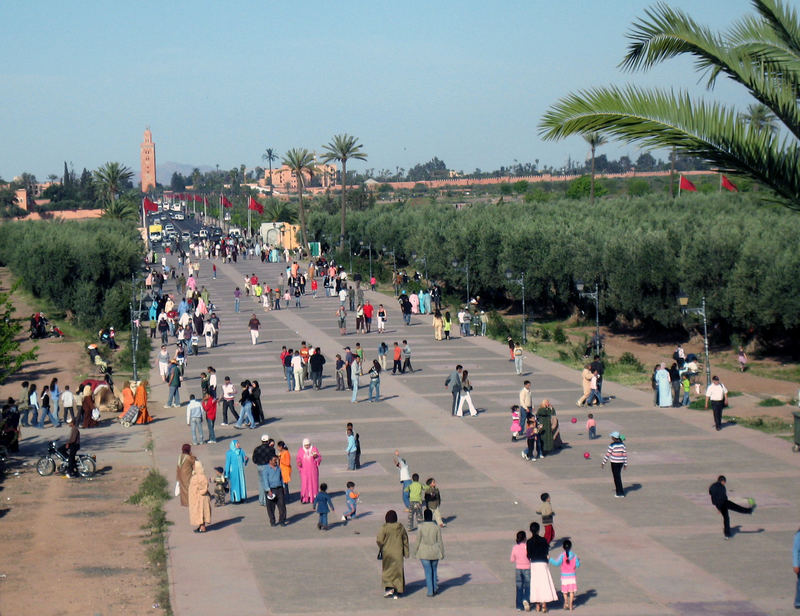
(249, 213)
(205, 203)
(720, 182)
(680, 178)
(146, 230)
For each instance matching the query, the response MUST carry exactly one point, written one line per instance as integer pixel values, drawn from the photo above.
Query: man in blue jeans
(405, 477)
(174, 382)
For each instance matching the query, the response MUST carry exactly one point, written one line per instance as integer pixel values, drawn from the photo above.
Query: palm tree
(342, 148)
(760, 53)
(109, 179)
(760, 117)
(122, 209)
(270, 156)
(595, 140)
(278, 211)
(301, 162)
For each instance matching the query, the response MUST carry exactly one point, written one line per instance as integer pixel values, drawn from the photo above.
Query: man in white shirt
(297, 370)
(405, 476)
(228, 397)
(717, 394)
(194, 418)
(526, 397)
(68, 403)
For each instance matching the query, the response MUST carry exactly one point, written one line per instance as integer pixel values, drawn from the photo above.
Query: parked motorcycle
(54, 459)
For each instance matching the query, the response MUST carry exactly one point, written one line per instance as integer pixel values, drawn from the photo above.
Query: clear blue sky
(218, 82)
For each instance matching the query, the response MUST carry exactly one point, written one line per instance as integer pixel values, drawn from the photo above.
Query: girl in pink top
(569, 582)
(519, 556)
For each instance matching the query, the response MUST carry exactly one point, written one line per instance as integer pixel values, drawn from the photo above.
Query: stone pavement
(658, 551)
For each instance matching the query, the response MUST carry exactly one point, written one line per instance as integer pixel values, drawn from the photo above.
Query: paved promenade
(658, 551)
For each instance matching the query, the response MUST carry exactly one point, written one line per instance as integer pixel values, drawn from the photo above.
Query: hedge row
(84, 267)
(740, 253)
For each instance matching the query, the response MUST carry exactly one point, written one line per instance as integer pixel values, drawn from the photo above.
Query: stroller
(130, 416)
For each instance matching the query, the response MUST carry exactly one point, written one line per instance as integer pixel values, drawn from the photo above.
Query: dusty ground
(754, 388)
(76, 545)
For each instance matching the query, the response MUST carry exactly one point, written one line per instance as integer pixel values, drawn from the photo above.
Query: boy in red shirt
(398, 353)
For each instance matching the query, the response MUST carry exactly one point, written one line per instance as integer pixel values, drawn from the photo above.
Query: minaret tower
(148, 158)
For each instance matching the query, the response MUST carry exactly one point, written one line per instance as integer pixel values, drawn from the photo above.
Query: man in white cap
(261, 457)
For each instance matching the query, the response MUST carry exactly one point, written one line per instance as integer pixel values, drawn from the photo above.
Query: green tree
(760, 117)
(342, 148)
(301, 162)
(270, 156)
(124, 209)
(11, 358)
(583, 187)
(110, 179)
(761, 53)
(595, 140)
(177, 183)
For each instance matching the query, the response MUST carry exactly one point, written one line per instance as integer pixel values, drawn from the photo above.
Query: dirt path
(76, 545)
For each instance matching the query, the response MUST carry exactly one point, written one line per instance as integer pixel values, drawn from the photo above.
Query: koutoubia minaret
(148, 156)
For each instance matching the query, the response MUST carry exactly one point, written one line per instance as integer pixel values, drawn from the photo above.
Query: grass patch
(698, 405)
(764, 423)
(771, 402)
(152, 493)
(781, 372)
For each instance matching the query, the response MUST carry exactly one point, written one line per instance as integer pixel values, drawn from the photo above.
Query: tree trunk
(344, 204)
(591, 190)
(302, 211)
(270, 177)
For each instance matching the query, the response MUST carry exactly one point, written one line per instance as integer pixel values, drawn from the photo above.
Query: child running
(569, 562)
(351, 498)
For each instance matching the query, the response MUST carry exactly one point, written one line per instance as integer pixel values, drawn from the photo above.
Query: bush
(497, 327)
(559, 337)
(630, 360)
(638, 187)
(771, 402)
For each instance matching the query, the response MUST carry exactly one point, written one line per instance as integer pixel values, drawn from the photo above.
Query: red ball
(586, 455)
(574, 420)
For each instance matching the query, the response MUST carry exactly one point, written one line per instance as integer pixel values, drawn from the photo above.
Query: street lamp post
(683, 302)
(394, 268)
(579, 285)
(424, 261)
(369, 248)
(520, 281)
(465, 268)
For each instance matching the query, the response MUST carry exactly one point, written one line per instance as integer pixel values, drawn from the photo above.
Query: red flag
(255, 205)
(149, 206)
(687, 185)
(727, 184)
(198, 199)
(225, 201)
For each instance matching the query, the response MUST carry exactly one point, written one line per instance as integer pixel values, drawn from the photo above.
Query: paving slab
(658, 551)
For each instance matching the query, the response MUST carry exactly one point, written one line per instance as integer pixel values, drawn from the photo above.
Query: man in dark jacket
(315, 363)
(261, 457)
(719, 498)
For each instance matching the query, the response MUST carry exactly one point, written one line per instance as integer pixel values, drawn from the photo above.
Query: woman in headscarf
(140, 400)
(392, 541)
(199, 504)
(235, 461)
(308, 461)
(184, 472)
(664, 386)
(87, 407)
(127, 398)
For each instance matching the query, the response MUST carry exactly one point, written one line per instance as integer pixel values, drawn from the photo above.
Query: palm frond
(660, 119)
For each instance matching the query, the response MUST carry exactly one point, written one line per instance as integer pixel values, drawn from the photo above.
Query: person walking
(586, 382)
(717, 394)
(407, 358)
(315, 363)
(194, 419)
(228, 398)
(392, 543)
(374, 382)
(526, 397)
(438, 325)
(308, 460)
(664, 386)
(275, 496)
(466, 396)
(174, 383)
(253, 325)
(261, 457)
(618, 456)
(405, 477)
(199, 499)
(350, 450)
(355, 373)
(719, 498)
(397, 365)
(522, 578)
(518, 351)
(454, 383)
(430, 550)
(235, 461)
(72, 446)
(542, 588)
(183, 473)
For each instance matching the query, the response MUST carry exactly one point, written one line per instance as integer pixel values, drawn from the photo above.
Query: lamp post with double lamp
(683, 302)
(424, 261)
(519, 281)
(465, 268)
(369, 248)
(594, 295)
(394, 268)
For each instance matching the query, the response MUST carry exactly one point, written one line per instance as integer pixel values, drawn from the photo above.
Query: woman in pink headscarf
(308, 460)
(414, 299)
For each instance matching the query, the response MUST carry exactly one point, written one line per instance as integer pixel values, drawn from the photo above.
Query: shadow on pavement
(583, 597)
(223, 523)
(457, 581)
(297, 517)
(634, 487)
